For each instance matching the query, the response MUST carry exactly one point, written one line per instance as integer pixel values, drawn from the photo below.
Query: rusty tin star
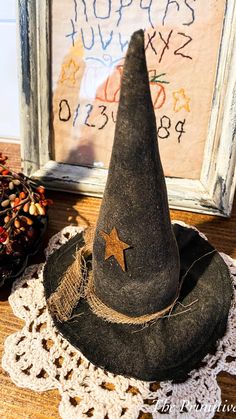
(115, 247)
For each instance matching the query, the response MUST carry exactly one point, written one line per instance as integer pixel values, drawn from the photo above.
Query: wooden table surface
(19, 403)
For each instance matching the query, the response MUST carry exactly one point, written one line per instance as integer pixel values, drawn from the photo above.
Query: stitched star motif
(69, 70)
(181, 100)
(115, 247)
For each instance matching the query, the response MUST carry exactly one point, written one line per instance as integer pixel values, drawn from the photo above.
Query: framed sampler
(71, 57)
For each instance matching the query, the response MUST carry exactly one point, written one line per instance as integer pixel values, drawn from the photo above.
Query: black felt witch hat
(139, 298)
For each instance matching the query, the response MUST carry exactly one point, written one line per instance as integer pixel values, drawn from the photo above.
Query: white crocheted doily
(37, 357)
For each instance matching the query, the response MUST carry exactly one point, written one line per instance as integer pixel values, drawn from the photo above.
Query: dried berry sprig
(22, 201)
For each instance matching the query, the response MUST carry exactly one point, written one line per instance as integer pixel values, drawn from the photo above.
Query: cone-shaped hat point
(135, 256)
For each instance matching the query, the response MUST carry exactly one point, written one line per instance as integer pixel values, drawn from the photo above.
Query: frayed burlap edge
(78, 282)
(72, 285)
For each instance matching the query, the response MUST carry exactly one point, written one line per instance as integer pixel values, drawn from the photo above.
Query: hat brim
(168, 348)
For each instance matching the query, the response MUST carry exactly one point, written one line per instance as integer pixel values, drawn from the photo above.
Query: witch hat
(138, 297)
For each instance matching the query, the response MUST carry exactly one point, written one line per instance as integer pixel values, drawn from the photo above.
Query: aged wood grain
(18, 403)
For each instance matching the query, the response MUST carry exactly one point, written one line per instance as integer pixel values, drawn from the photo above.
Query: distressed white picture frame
(212, 193)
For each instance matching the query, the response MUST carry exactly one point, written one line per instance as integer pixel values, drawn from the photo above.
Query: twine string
(78, 282)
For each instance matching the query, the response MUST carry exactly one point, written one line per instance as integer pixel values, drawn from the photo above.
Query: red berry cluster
(22, 205)
(3, 235)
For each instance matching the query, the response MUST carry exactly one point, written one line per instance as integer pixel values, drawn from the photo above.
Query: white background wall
(9, 96)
